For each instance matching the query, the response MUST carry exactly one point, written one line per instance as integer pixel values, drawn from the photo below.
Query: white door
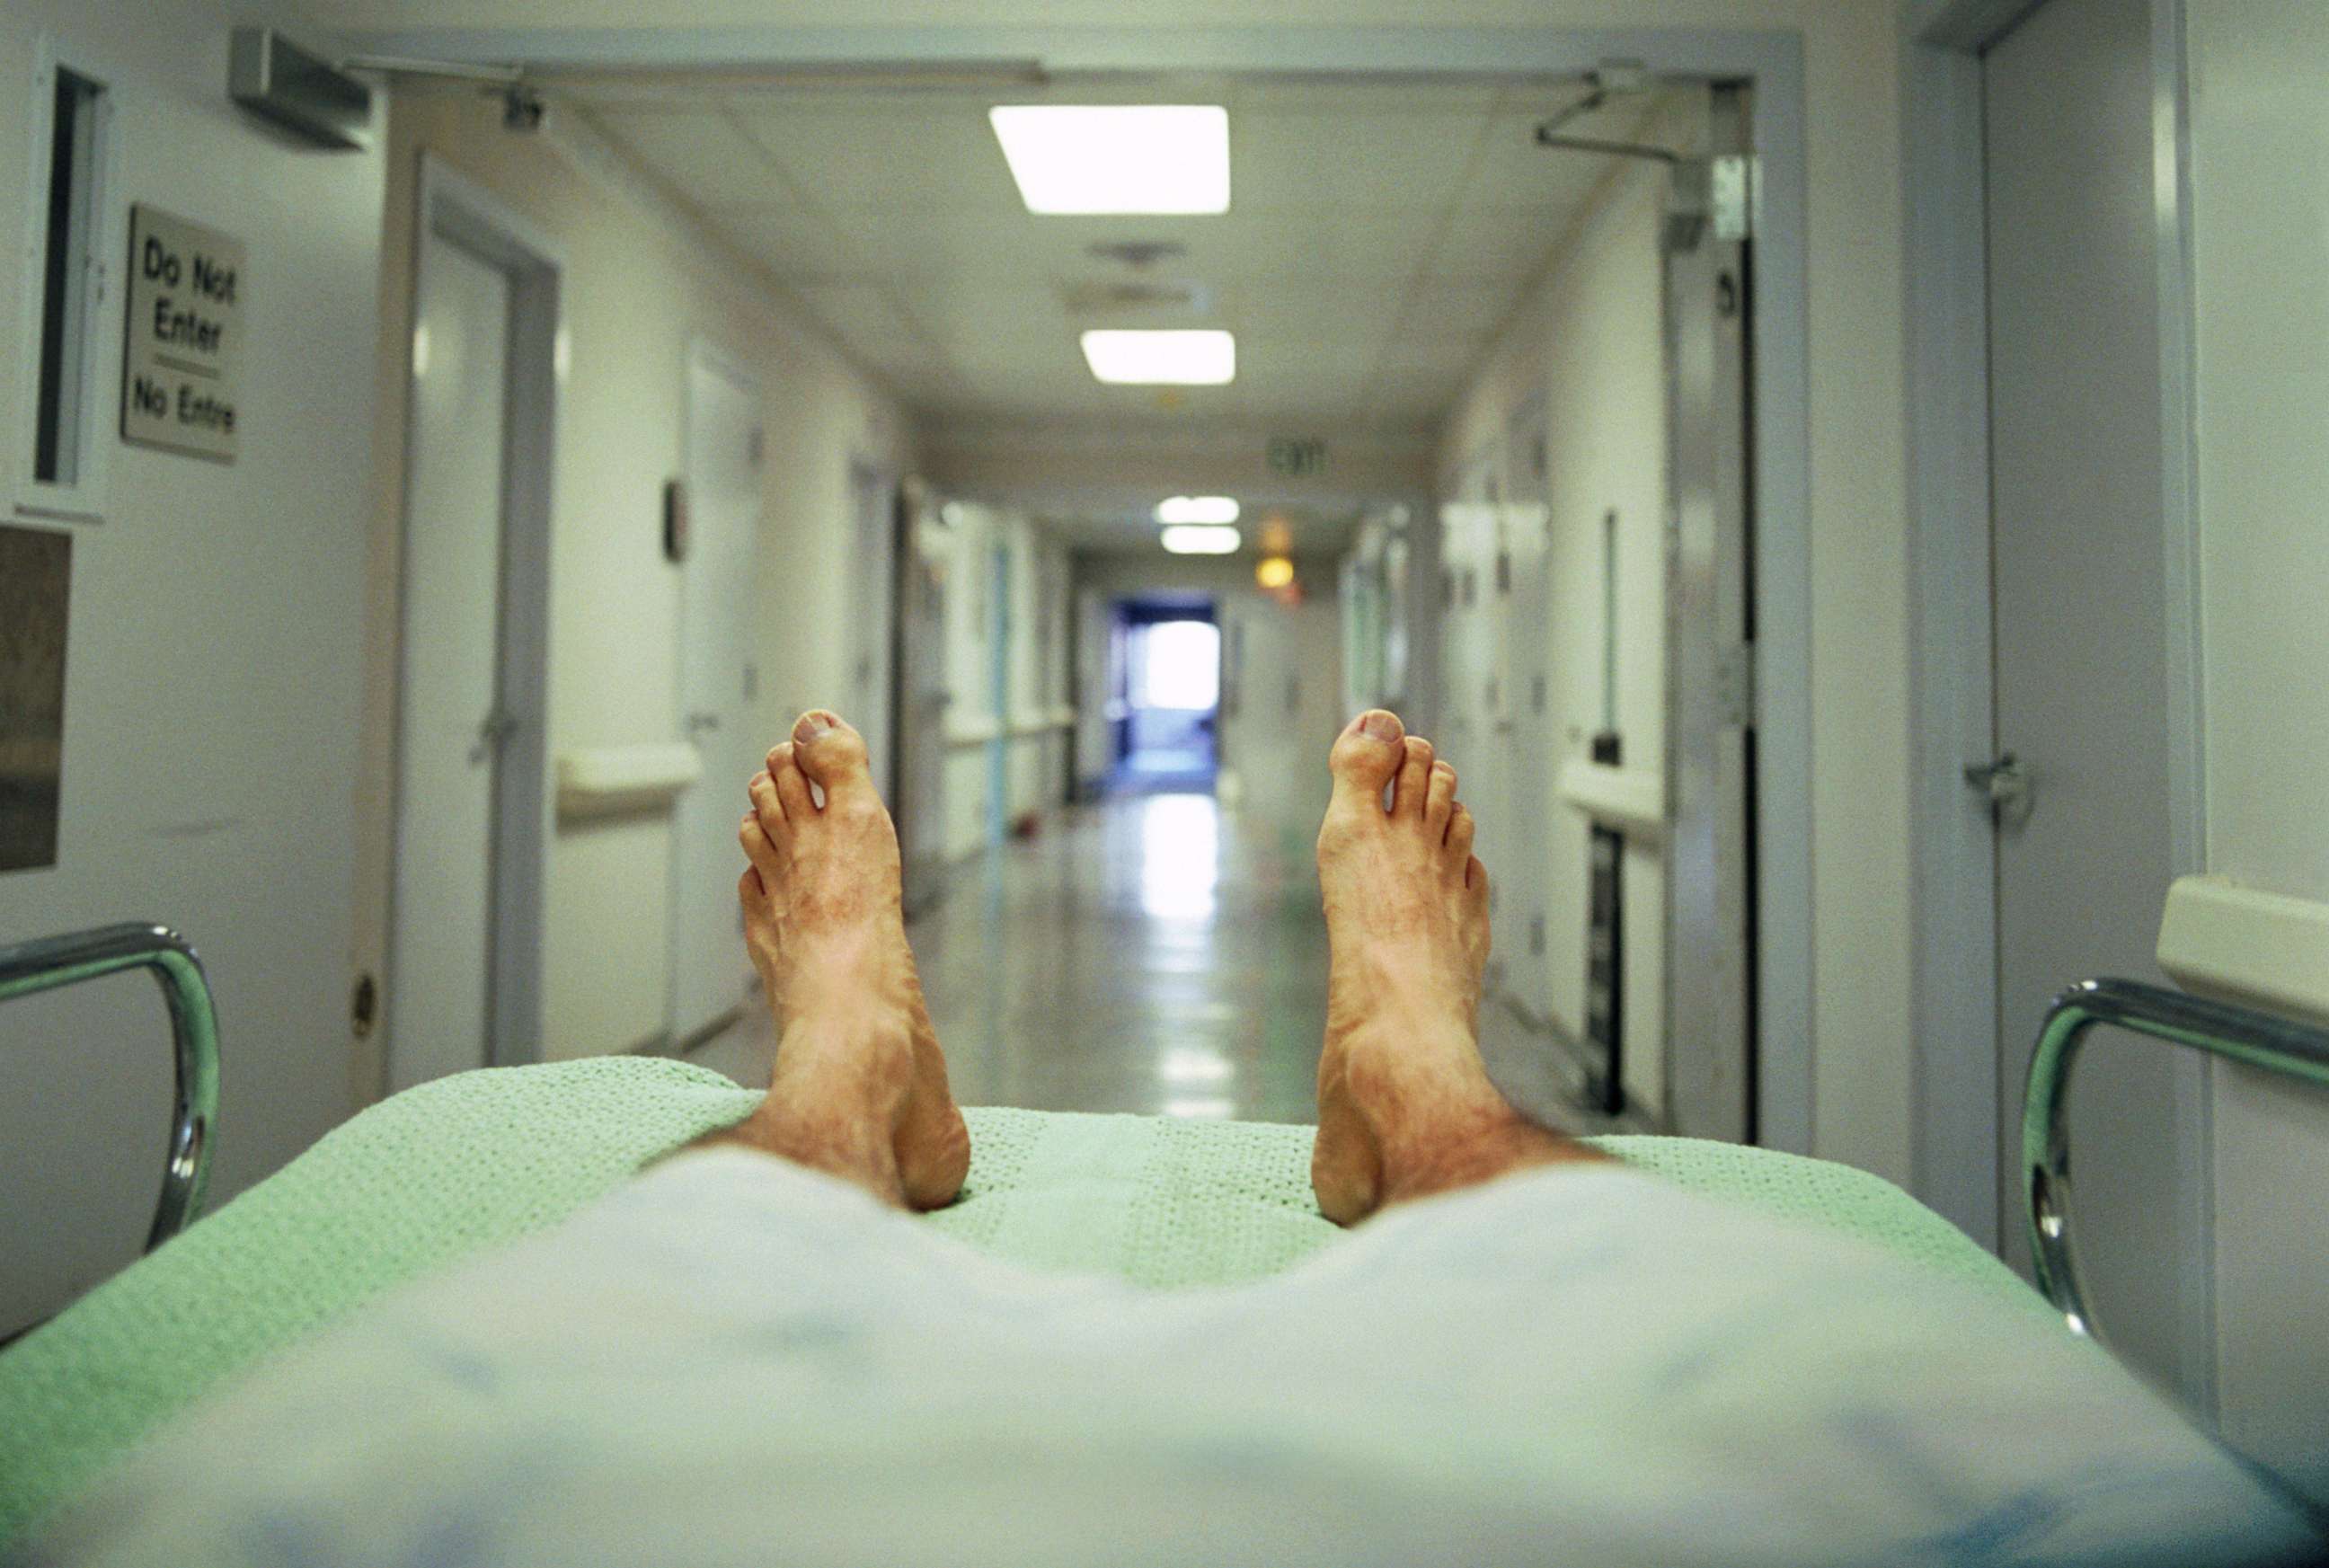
(2079, 557)
(1476, 731)
(874, 499)
(1527, 850)
(919, 800)
(1281, 695)
(1490, 777)
(710, 974)
(448, 740)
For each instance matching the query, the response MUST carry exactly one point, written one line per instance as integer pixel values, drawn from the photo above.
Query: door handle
(492, 731)
(2003, 781)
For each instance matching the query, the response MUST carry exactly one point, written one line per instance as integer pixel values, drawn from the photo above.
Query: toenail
(813, 723)
(1381, 725)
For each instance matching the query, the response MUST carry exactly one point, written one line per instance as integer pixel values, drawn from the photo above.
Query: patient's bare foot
(860, 1085)
(1405, 1107)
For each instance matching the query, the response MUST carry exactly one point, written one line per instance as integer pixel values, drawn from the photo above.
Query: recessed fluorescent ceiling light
(1192, 539)
(1200, 357)
(1197, 509)
(1120, 158)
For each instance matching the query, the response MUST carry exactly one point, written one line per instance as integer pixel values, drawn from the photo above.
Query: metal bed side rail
(2236, 1034)
(53, 962)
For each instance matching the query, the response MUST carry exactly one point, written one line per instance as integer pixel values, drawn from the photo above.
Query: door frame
(721, 360)
(1708, 622)
(1770, 61)
(456, 209)
(879, 584)
(1956, 1086)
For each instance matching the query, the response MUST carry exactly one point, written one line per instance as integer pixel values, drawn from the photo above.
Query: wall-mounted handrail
(2236, 1034)
(53, 962)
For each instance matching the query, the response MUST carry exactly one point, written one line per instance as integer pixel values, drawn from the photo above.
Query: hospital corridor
(940, 750)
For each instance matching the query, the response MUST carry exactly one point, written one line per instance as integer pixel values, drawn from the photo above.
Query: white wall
(641, 283)
(1039, 719)
(2259, 148)
(1585, 355)
(1025, 734)
(213, 667)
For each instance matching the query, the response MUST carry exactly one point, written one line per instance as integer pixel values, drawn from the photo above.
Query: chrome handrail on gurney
(2238, 1034)
(55, 961)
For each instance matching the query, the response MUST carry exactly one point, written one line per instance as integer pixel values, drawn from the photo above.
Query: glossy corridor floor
(1154, 954)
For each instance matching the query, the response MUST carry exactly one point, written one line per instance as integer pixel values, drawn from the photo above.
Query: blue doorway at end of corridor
(1165, 695)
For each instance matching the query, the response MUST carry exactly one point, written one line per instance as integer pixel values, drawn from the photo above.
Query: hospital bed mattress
(462, 1164)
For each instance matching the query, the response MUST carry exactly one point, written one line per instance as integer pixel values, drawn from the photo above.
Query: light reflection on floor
(1153, 954)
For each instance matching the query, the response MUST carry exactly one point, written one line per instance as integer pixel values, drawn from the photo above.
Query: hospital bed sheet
(458, 1166)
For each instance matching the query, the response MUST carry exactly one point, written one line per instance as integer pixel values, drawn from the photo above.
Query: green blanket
(471, 1161)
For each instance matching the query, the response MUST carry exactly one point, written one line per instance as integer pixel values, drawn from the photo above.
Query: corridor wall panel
(641, 284)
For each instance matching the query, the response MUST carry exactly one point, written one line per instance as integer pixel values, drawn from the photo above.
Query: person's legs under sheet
(734, 1359)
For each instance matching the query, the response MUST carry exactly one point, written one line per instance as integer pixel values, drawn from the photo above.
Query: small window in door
(66, 290)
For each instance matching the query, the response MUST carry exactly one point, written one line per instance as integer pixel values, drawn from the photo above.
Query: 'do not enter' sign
(183, 350)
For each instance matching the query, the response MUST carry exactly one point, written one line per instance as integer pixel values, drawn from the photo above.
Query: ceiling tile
(857, 311)
(1349, 96)
(1351, 162)
(794, 244)
(698, 152)
(1458, 311)
(1356, 309)
(1426, 356)
(918, 153)
(1379, 234)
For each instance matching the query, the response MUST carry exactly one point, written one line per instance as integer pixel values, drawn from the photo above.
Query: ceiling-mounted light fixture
(1117, 158)
(1200, 356)
(1198, 539)
(1197, 509)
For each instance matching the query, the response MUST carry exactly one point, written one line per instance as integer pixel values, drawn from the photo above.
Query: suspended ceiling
(1379, 235)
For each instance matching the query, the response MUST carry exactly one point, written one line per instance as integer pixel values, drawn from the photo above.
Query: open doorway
(1167, 653)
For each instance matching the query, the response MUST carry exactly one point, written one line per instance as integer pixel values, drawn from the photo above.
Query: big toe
(1365, 756)
(832, 755)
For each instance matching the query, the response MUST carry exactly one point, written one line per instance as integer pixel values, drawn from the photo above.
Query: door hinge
(1734, 685)
(1735, 195)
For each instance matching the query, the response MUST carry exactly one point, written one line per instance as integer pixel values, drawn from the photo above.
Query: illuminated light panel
(1197, 509)
(1190, 538)
(1124, 158)
(1183, 356)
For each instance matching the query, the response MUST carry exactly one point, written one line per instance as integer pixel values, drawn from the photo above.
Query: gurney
(460, 1165)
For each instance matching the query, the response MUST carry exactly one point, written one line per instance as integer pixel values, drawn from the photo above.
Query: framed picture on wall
(35, 594)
